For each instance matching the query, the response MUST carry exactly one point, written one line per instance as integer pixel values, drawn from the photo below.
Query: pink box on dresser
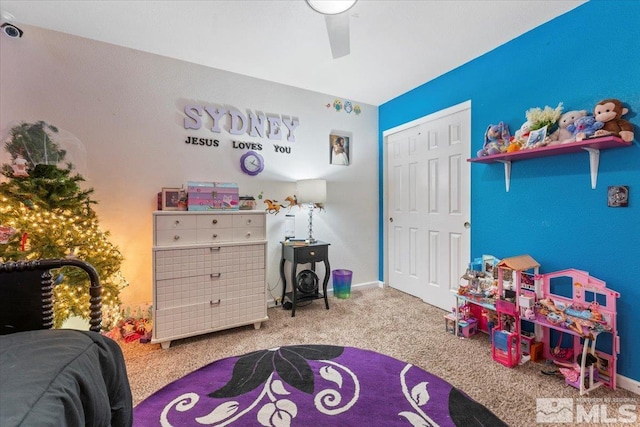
(210, 196)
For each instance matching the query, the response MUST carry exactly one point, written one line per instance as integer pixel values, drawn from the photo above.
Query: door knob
(467, 225)
(390, 219)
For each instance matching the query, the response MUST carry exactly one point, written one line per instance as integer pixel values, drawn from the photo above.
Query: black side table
(307, 254)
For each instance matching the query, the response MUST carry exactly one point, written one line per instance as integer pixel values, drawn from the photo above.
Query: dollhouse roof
(519, 263)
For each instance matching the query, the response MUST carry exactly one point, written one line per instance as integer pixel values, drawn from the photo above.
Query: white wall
(126, 107)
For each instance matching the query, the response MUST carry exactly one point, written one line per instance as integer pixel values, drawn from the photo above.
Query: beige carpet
(383, 320)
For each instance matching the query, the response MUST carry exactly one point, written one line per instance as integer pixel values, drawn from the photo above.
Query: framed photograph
(171, 199)
(536, 137)
(339, 149)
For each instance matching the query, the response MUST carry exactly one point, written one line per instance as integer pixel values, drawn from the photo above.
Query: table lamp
(312, 192)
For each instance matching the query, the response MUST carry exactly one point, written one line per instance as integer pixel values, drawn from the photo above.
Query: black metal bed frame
(24, 274)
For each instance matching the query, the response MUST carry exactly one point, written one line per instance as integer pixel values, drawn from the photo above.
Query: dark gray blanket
(61, 377)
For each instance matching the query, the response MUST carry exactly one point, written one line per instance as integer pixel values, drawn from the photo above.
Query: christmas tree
(44, 213)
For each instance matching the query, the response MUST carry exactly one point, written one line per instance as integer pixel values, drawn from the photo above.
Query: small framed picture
(536, 137)
(339, 149)
(171, 199)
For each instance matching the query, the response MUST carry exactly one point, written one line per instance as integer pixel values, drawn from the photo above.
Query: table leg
(283, 278)
(293, 289)
(327, 272)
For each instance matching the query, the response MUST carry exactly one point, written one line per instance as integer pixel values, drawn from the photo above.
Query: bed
(56, 377)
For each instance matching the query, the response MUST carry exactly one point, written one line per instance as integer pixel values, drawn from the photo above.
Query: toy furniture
(465, 327)
(61, 377)
(525, 343)
(512, 272)
(566, 303)
(536, 353)
(468, 327)
(450, 321)
(577, 304)
(504, 348)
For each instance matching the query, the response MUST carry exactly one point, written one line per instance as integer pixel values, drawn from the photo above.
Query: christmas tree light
(51, 217)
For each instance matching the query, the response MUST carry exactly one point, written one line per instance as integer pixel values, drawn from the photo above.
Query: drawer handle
(214, 302)
(176, 237)
(215, 221)
(215, 249)
(176, 223)
(215, 236)
(248, 234)
(312, 253)
(215, 276)
(248, 221)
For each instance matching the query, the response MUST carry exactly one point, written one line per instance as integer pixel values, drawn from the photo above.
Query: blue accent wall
(551, 212)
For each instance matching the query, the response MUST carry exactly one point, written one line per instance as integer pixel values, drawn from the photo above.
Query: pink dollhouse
(567, 305)
(577, 304)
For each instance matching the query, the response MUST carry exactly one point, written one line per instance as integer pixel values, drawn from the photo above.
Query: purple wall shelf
(592, 146)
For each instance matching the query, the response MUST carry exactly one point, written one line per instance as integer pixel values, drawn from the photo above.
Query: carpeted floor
(386, 321)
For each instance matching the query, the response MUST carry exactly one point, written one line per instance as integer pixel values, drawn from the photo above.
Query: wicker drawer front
(199, 261)
(182, 321)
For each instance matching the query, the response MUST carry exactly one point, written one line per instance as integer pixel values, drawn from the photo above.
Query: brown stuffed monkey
(610, 112)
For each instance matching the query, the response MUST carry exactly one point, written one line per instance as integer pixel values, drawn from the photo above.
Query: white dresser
(209, 272)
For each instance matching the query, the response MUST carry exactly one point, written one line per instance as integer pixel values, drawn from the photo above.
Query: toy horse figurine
(293, 201)
(272, 206)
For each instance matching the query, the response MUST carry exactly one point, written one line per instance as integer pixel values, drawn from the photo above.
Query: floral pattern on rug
(308, 385)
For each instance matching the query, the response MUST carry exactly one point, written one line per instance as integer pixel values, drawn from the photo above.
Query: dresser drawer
(214, 221)
(176, 237)
(305, 255)
(213, 235)
(248, 234)
(175, 222)
(247, 220)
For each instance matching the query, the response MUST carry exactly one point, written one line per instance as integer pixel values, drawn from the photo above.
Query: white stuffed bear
(562, 135)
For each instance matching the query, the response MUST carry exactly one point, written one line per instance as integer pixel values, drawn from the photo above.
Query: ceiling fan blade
(338, 30)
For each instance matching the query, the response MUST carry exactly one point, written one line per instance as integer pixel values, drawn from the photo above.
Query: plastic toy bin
(342, 283)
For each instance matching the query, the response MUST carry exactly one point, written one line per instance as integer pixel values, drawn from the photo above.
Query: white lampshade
(331, 7)
(312, 191)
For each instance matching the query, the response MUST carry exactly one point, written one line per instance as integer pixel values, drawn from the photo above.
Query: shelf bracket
(594, 161)
(507, 173)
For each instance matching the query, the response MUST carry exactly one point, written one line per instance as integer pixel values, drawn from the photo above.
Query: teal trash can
(342, 283)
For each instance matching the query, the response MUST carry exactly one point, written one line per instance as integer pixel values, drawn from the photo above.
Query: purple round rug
(311, 385)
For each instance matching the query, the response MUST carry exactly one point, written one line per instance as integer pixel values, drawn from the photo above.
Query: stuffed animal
(519, 139)
(584, 127)
(610, 112)
(522, 134)
(563, 135)
(496, 139)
